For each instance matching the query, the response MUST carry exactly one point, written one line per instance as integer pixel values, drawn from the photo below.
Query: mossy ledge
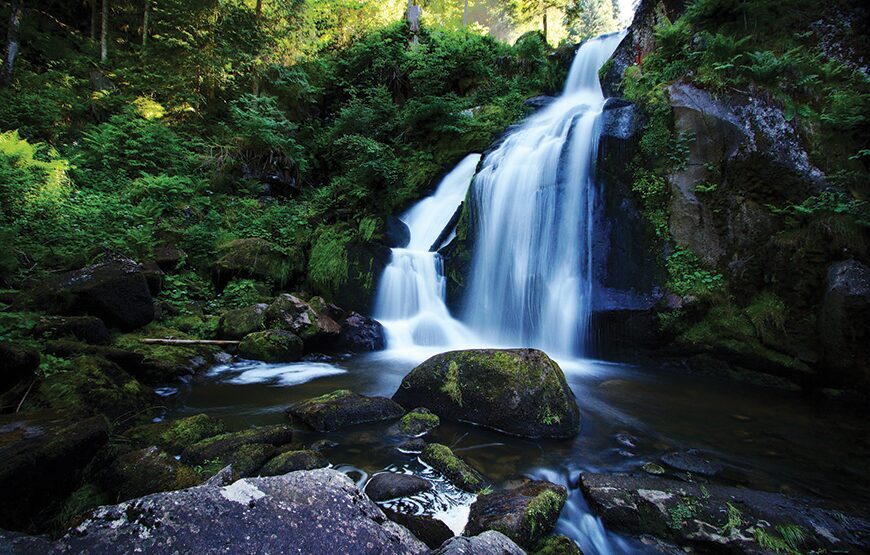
(441, 458)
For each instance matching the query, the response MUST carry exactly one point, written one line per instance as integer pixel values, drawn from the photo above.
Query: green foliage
(734, 521)
(684, 510)
(789, 539)
(768, 315)
(50, 365)
(327, 266)
(687, 276)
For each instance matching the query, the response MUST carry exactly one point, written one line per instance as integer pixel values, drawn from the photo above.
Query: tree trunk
(104, 35)
(94, 19)
(465, 14)
(545, 24)
(146, 16)
(16, 9)
(259, 9)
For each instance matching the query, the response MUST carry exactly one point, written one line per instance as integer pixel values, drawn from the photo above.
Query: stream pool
(764, 438)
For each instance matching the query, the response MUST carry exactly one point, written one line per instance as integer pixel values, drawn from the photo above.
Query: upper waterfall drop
(533, 204)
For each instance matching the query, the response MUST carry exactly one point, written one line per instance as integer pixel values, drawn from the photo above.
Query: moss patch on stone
(291, 461)
(418, 421)
(224, 445)
(271, 346)
(176, 435)
(451, 383)
(442, 459)
(543, 511)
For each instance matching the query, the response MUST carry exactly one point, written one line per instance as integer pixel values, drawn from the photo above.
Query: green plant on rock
(451, 384)
(327, 265)
(788, 539)
(543, 510)
(687, 275)
(685, 509)
(734, 520)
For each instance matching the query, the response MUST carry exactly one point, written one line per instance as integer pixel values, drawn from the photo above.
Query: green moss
(768, 315)
(543, 511)
(271, 346)
(684, 510)
(82, 500)
(442, 459)
(176, 435)
(418, 421)
(556, 545)
(291, 461)
(328, 265)
(451, 383)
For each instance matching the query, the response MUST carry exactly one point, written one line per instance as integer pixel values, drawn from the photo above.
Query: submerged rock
(116, 291)
(343, 408)
(271, 346)
(391, 485)
(319, 511)
(457, 471)
(42, 458)
(488, 543)
(525, 514)
(360, 334)
(715, 518)
(291, 461)
(518, 391)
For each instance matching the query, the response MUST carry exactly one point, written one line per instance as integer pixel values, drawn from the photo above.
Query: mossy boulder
(291, 461)
(343, 408)
(290, 313)
(42, 459)
(255, 258)
(391, 485)
(557, 545)
(166, 363)
(223, 445)
(417, 423)
(248, 459)
(88, 329)
(176, 435)
(150, 470)
(460, 474)
(237, 323)
(271, 346)
(524, 514)
(93, 386)
(16, 363)
(518, 391)
(116, 291)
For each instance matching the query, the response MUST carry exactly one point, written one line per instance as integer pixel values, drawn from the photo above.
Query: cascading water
(411, 297)
(533, 203)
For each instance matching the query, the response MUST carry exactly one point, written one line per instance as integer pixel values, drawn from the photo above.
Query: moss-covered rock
(150, 470)
(42, 459)
(518, 391)
(256, 259)
(175, 435)
(223, 445)
(93, 386)
(16, 363)
(89, 329)
(271, 346)
(460, 474)
(524, 514)
(556, 545)
(342, 408)
(290, 313)
(418, 422)
(248, 459)
(166, 363)
(237, 323)
(291, 461)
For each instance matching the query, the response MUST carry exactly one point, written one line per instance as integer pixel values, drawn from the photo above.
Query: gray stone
(391, 485)
(342, 408)
(488, 543)
(318, 511)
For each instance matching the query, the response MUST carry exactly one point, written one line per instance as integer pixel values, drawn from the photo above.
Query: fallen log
(182, 342)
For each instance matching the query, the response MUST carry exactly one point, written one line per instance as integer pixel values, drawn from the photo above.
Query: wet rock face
(525, 514)
(843, 319)
(319, 511)
(115, 291)
(487, 543)
(397, 235)
(519, 391)
(391, 485)
(42, 457)
(343, 408)
(360, 334)
(714, 518)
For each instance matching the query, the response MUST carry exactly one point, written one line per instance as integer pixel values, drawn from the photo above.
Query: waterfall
(411, 296)
(533, 204)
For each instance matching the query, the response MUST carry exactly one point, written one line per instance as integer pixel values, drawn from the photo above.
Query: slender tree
(94, 18)
(465, 14)
(104, 35)
(146, 16)
(12, 42)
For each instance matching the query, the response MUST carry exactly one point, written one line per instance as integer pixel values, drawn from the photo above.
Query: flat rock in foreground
(715, 518)
(309, 512)
(519, 391)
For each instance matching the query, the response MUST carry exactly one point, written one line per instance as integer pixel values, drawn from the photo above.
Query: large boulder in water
(115, 291)
(318, 511)
(517, 391)
(42, 458)
(525, 514)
